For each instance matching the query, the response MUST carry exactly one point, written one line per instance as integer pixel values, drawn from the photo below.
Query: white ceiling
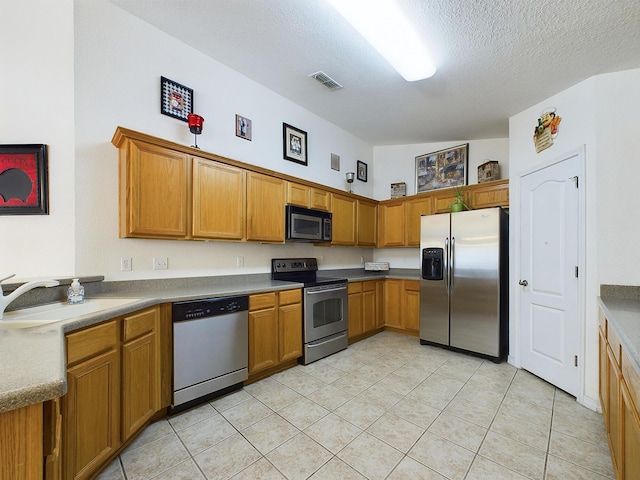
(495, 58)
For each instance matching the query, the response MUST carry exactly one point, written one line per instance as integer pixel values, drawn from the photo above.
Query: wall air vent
(326, 80)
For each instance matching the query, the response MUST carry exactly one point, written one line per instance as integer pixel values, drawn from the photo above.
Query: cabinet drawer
(91, 341)
(413, 285)
(614, 344)
(354, 287)
(290, 296)
(139, 324)
(632, 377)
(262, 300)
(368, 286)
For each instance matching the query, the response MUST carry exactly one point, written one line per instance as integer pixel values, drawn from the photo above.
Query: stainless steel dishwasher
(210, 349)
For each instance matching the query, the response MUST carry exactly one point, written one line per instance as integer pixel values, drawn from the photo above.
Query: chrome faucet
(5, 300)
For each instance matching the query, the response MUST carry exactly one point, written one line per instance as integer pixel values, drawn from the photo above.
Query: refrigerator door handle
(445, 270)
(453, 255)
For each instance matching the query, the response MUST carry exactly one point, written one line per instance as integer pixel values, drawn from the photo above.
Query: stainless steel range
(325, 307)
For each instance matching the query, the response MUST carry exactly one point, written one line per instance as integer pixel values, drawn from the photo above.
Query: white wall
(397, 163)
(119, 61)
(601, 115)
(37, 107)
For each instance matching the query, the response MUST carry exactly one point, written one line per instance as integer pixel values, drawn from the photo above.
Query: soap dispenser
(75, 294)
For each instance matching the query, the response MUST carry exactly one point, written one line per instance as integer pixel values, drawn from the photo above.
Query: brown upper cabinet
(171, 191)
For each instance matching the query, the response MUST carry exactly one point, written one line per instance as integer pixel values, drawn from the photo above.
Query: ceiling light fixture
(383, 25)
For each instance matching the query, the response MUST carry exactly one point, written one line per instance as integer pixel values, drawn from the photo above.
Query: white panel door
(550, 324)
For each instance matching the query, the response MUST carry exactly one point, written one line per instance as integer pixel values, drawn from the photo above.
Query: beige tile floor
(386, 408)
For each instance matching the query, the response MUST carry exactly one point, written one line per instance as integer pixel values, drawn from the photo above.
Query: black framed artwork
(362, 171)
(24, 180)
(176, 100)
(294, 144)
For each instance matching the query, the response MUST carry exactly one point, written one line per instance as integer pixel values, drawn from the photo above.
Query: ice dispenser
(432, 263)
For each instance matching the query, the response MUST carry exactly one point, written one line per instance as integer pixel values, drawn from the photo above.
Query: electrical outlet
(160, 263)
(240, 262)
(125, 264)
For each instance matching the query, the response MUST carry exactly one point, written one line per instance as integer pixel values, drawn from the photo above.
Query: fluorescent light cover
(382, 24)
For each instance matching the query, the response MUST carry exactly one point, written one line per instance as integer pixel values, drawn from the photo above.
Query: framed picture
(24, 179)
(175, 100)
(243, 127)
(362, 171)
(294, 144)
(442, 169)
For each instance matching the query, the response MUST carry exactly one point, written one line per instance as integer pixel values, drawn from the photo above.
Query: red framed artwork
(24, 180)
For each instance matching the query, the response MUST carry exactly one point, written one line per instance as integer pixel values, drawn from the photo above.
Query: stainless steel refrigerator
(464, 281)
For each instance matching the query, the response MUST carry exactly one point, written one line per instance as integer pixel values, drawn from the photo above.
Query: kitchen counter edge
(623, 315)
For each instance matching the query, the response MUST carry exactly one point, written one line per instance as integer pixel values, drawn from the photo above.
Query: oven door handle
(311, 291)
(332, 339)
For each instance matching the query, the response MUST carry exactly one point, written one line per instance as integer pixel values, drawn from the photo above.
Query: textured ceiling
(495, 58)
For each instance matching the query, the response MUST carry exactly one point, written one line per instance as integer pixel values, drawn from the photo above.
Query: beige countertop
(623, 315)
(32, 360)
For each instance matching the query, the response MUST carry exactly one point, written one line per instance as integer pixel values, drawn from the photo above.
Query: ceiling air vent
(326, 80)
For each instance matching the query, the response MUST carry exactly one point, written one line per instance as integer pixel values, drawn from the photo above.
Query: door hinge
(575, 360)
(576, 271)
(575, 180)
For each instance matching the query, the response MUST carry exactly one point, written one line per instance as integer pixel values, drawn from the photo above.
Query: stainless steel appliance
(325, 306)
(464, 281)
(210, 349)
(307, 225)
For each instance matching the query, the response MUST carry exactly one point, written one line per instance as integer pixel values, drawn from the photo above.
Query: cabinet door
(369, 319)
(21, 443)
(380, 303)
(355, 326)
(367, 215)
(290, 331)
(343, 220)
(613, 381)
(411, 305)
(442, 201)
(263, 339)
(630, 422)
(140, 371)
(320, 199)
(414, 209)
(91, 412)
(393, 296)
(603, 386)
(218, 200)
(154, 191)
(298, 194)
(265, 208)
(491, 194)
(392, 224)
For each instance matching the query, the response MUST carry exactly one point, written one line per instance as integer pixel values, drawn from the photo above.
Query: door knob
(524, 283)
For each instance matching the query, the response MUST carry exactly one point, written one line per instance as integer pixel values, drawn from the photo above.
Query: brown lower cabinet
(620, 397)
(275, 331)
(402, 305)
(365, 313)
(113, 378)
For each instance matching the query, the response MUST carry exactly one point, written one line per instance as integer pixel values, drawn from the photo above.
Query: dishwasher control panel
(210, 307)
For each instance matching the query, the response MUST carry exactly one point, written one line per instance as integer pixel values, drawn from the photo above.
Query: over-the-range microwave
(307, 225)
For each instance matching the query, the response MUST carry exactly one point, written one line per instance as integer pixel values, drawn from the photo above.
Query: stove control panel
(283, 265)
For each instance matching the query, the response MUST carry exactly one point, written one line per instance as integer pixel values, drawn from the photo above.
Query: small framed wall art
(176, 100)
(442, 169)
(24, 178)
(294, 144)
(243, 127)
(362, 171)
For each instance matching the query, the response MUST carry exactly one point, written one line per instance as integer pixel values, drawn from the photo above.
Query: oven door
(325, 311)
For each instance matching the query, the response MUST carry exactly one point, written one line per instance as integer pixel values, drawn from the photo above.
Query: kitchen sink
(59, 312)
